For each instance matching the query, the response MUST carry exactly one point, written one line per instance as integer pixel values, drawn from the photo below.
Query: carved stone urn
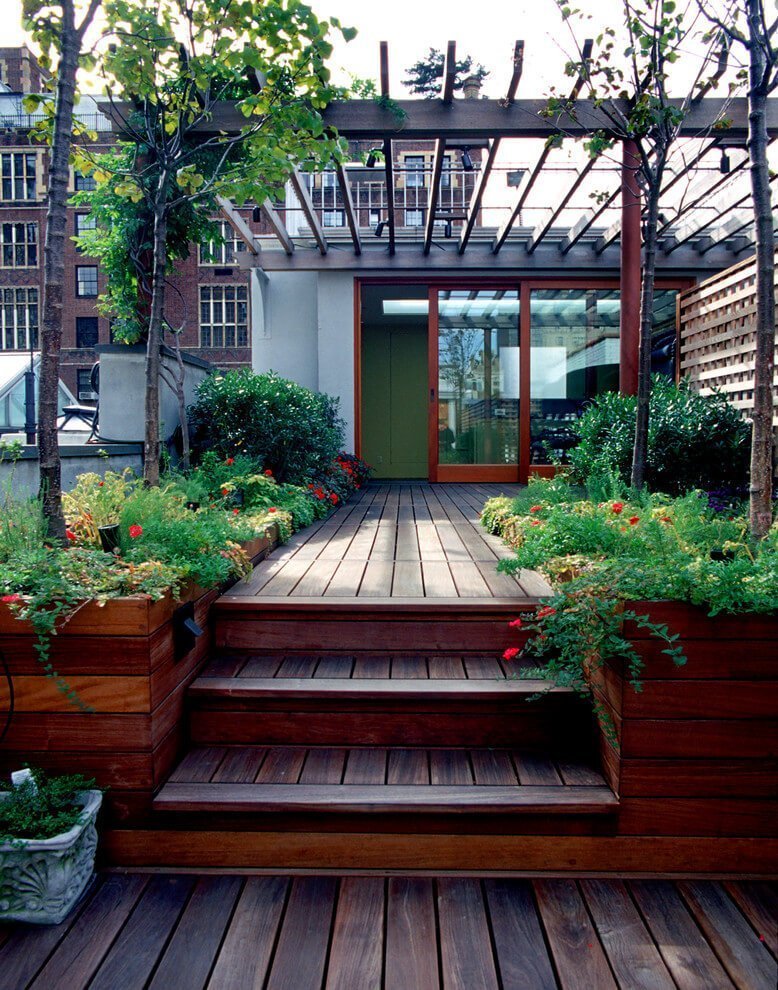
(41, 879)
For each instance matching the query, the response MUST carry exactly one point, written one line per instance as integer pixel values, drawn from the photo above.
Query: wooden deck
(183, 932)
(411, 542)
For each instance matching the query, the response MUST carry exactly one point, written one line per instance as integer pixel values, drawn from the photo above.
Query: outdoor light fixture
(372, 159)
(448, 229)
(379, 227)
(256, 214)
(467, 161)
(725, 165)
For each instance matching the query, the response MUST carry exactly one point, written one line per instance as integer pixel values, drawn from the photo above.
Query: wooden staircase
(357, 752)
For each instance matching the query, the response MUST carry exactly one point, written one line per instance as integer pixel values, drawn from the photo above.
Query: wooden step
(372, 781)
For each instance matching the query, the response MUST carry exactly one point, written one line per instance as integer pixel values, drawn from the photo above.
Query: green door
(394, 401)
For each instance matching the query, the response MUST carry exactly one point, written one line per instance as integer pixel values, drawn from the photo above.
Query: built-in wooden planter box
(697, 751)
(126, 660)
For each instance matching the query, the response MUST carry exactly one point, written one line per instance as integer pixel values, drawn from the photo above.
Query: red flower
(10, 599)
(545, 611)
(70, 534)
(334, 498)
(536, 508)
(100, 484)
(269, 473)
(666, 519)
(235, 512)
(516, 624)
(617, 507)
(230, 460)
(634, 520)
(534, 522)
(272, 509)
(135, 531)
(225, 491)
(511, 653)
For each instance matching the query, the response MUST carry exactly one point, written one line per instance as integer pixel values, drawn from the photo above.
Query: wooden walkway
(186, 932)
(409, 542)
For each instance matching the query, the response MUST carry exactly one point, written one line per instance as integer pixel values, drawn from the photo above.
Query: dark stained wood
(746, 959)
(239, 766)
(282, 765)
(633, 957)
(493, 766)
(522, 955)
(448, 668)
(686, 953)
(759, 903)
(356, 955)
(450, 766)
(411, 938)
(408, 766)
(366, 766)
(196, 941)
(199, 764)
(248, 945)
(133, 955)
(577, 952)
(323, 766)
(301, 953)
(465, 947)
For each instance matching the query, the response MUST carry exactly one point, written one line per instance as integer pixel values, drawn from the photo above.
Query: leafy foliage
(425, 77)
(42, 809)
(694, 441)
(290, 430)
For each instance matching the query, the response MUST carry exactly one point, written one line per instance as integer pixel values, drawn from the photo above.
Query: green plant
(290, 430)
(41, 808)
(694, 440)
(96, 501)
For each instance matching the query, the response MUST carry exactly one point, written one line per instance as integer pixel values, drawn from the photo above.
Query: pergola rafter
(543, 228)
(348, 206)
(449, 77)
(388, 163)
(304, 198)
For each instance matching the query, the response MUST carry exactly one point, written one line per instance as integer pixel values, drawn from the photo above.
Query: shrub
(694, 441)
(290, 430)
(42, 809)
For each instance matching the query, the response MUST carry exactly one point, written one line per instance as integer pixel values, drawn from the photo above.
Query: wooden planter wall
(698, 746)
(120, 659)
(717, 345)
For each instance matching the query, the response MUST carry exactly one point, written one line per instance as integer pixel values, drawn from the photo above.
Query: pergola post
(630, 276)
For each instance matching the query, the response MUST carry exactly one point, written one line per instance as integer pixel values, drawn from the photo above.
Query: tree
(55, 28)
(425, 77)
(745, 23)
(166, 73)
(638, 108)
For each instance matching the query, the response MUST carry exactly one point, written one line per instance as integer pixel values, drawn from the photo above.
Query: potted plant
(48, 841)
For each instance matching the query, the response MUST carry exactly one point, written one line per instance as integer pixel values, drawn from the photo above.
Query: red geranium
(511, 653)
(272, 509)
(334, 498)
(235, 512)
(135, 531)
(269, 473)
(516, 624)
(617, 507)
(70, 534)
(10, 599)
(634, 520)
(230, 460)
(536, 508)
(225, 491)
(545, 611)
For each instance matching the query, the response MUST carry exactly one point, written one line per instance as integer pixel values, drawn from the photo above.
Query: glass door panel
(477, 405)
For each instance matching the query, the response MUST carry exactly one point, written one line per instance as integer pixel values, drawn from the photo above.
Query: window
(19, 245)
(213, 253)
(414, 218)
(445, 175)
(84, 385)
(86, 281)
(19, 175)
(333, 218)
(224, 316)
(328, 180)
(84, 222)
(85, 183)
(375, 217)
(19, 319)
(86, 331)
(414, 171)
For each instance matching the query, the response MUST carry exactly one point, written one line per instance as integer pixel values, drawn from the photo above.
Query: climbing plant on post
(747, 25)
(59, 30)
(167, 70)
(628, 78)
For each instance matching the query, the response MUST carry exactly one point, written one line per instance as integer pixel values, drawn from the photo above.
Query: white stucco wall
(284, 326)
(336, 343)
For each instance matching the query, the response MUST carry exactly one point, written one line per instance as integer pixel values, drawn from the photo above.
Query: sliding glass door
(474, 384)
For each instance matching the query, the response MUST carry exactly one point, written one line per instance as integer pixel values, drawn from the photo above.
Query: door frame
(524, 284)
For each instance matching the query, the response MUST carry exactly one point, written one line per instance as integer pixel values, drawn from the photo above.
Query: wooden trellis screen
(716, 319)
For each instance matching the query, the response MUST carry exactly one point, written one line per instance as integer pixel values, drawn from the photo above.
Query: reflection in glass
(574, 356)
(478, 378)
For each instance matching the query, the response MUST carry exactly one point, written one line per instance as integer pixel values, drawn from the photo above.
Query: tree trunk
(181, 396)
(54, 278)
(151, 449)
(640, 450)
(761, 489)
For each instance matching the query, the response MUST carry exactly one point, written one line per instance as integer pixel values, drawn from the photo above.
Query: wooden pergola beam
(449, 73)
(278, 226)
(586, 221)
(388, 163)
(696, 226)
(306, 203)
(543, 228)
(238, 224)
(505, 229)
(699, 194)
(483, 176)
(432, 201)
(348, 205)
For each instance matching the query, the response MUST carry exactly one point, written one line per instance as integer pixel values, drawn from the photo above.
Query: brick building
(210, 294)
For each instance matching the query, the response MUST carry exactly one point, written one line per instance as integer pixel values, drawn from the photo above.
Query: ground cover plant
(41, 807)
(604, 547)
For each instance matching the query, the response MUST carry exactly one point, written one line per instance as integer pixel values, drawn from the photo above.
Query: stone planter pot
(41, 880)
